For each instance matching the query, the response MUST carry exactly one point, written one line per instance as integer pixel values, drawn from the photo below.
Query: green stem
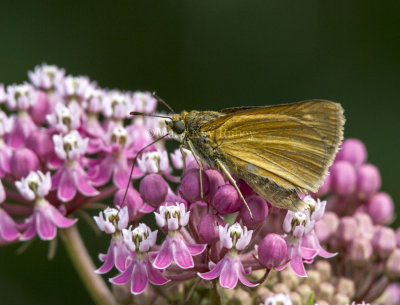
(77, 251)
(215, 297)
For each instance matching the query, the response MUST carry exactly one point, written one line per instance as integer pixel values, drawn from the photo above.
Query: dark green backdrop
(208, 55)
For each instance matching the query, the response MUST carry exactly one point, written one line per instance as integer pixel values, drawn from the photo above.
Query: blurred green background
(207, 55)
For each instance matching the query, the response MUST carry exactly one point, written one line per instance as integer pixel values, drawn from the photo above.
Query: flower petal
(164, 256)
(139, 278)
(46, 229)
(297, 266)
(103, 171)
(155, 275)
(58, 219)
(30, 231)
(243, 280)
(181, 254)
(82, 183)
(123, 277)
(196, 249)
(214, 272)
(229, 274)
(66, 189)
(8, 229)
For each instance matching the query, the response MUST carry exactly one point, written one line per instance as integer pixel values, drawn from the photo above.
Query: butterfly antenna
(134, 162)
(159, 99)
(150, 115)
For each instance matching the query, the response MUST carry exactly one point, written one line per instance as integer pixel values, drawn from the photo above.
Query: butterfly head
(176, 127)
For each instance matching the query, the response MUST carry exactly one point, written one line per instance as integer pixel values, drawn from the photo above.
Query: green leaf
(310, 300)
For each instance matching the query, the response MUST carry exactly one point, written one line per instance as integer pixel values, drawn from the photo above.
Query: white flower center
(119, 135)
(299, 218)
(70, 142)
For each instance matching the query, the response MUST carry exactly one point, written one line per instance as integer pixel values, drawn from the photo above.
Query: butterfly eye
(178, 126)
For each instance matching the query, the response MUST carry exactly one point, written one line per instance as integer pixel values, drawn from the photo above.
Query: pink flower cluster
(67, 144)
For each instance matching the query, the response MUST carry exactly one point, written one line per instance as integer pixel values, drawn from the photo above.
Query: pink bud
(360, 251)
(381, 209)
(244, 188)
(368, 181)
(40, 109)
(190, 186)
(392, 266)
(216, 180)
(40, 142)
(23, 161)
(208, 228)
(326, 226)
(153, 189)
(272, 251)
(364, 224)
(347, 229)
(259, 209)
(383, 241)
(133, 201)
(226, 200)
(343, 178)
(352, 151)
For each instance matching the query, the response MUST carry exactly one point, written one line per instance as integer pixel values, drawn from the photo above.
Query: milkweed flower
(175, 248)
(45, 218)
(113, 221)
(139, 270)
(230, 268)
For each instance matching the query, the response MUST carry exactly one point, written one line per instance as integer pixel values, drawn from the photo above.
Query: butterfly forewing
(291, 145)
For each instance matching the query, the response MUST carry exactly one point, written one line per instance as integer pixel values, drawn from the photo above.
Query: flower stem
(97, 288)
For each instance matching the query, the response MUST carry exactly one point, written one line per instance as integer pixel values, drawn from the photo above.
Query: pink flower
(44, 221)
(143, 102)
(117, 105)
(153, 162)
(65, 118)
(113, 221)
(174, 247)
(74, 89)
(115, 163)
(139, 270)
(45, 218)
(230, 269)
(71, 177)
(177, 158)
(46, 77)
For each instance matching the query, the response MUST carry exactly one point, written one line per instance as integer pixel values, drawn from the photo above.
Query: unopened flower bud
(326, 291)
(208, 228)
(190, 186)
(346, 287)
(133, 202)
(326, 226)
(383, 241)
(391, 295)
(40, 109)
(296, 298)
(392, 266)
(381, 209)
(272, 251)
(360, 251)
(23, 161)
(153, 189)
(364, 224)
(40, 142)
(325, 270)
(368, 181)
(244, 188)
(281, 288)
(226, 200)
(347, 229)
(339, 299)
(305, 292)
(353, 151)
(259, 210)
(313, 279)
(343, 178)
(216, 180)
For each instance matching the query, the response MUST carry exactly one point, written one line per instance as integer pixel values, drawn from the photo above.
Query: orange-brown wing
(293, 145)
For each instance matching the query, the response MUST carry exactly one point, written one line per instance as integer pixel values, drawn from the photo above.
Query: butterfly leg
(183, 158)
(200, 168)
(228, 174)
